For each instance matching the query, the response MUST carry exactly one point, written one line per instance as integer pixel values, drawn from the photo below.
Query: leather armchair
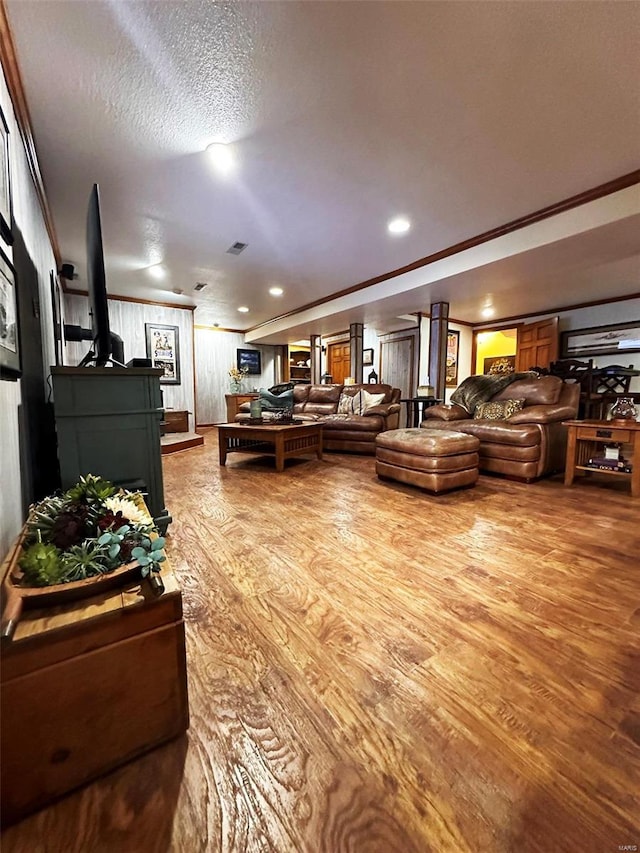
(531, 443)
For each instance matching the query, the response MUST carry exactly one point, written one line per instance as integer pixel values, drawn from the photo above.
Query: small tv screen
(96, 282)
(249, 358)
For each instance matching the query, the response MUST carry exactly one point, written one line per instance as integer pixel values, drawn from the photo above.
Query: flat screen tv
(106, 346)
(97, 283)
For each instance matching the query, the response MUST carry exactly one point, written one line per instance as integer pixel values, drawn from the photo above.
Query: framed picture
(5, 183)
(10, 365)
(56, 313)
(451, 373)
(249, 361)
(499, 364)
(163, 348)
(367, 357)
(602, 340)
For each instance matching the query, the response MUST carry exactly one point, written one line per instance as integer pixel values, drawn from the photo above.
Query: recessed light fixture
(157, 271)
(221, 157)
(488, 311)
(399, 225)
(276, 291)
(243, 309)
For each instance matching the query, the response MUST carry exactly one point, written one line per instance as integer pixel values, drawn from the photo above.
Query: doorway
(339, 361)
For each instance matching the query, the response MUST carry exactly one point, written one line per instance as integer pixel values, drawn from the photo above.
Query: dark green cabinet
(108, 423)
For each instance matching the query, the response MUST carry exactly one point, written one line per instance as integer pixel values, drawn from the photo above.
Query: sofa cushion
(271, 402)
(358, 403)
(500, 432)
(352, 423)
(498, 410)
(543, 391)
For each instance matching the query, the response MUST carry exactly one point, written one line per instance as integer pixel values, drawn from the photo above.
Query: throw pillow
(349, 404)
(276, 402)
(500, 410)
(370, 400)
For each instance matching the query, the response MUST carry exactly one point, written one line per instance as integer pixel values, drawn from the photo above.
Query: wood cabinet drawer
(176, 420)
(603, 433)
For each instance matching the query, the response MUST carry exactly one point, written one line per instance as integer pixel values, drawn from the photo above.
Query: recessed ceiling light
(276, 291)
(243, 309)
(399, 225)
(221, 157)
(157, 271)
(488, 312)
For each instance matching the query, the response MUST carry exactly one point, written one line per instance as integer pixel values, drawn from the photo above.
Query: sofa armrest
(384, 409)
(447, 412)
(543, 415)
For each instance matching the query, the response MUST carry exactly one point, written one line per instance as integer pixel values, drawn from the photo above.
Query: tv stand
(108, 423)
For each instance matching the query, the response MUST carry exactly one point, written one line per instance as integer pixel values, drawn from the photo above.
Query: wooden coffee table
(280, 440)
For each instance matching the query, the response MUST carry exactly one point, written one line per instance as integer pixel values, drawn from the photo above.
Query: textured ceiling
(462, 116)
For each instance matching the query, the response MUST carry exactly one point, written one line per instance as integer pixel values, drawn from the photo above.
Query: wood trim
(223, 329)
(72, 291)
(11, 68)
(578, 305)
(589, 195)
(474, 339)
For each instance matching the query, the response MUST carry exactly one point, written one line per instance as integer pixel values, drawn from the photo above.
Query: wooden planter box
(87, 686)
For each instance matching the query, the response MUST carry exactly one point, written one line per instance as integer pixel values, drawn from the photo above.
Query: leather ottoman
(436, 460)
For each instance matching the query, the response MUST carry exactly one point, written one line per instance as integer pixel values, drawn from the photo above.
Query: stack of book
(605, 464)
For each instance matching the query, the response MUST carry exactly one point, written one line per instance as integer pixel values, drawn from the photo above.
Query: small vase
(623, 410)
(235, 386)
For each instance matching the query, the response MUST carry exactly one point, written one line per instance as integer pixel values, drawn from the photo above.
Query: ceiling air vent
(237, 248)
(200, 285)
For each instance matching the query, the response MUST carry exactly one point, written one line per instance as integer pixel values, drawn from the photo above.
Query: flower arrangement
(90, 530)
(237, 374)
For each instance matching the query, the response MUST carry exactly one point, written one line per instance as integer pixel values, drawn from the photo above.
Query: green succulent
(43, 517)
(149, 554)
(91, 489)
(86, 560)
(41, 564)
(113, 541)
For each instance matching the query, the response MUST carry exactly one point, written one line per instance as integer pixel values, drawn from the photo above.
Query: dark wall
(38, 451)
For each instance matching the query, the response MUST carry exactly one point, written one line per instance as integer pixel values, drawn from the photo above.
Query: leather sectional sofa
(530, 443)
(343, 432)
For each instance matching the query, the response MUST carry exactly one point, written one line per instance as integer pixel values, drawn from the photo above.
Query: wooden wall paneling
(315, 344)
(398, 356)
(215, 353)
(128, 319)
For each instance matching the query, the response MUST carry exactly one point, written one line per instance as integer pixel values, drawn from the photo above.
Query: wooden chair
(582, 372)
(610, 383)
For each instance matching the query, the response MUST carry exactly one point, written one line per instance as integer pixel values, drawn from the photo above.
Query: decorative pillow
(349, 404)
(275, 402)
(370, 400)
(498, 411)
(358, 403)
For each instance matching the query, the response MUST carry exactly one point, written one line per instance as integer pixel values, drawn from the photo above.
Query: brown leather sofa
(530, 443)
(343, 432)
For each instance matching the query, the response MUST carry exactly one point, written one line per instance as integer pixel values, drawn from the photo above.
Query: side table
(585, 440)
(416, 407)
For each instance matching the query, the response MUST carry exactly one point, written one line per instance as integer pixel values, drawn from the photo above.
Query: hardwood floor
(374, 669)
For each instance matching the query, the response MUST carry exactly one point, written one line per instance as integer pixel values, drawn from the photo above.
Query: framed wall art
(10, 364)
(499, 364)
(249, 361)
(56, 313)
(5, 183)
(616, 339)
(453, 346)
(163, 348)
(367, 357)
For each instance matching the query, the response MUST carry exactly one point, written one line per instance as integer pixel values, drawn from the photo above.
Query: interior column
(315, 345)
(356, 332)
(438, 326)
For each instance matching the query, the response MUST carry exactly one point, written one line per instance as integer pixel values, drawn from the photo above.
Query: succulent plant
(149, 554)
(70, 527)
(86, 561)
(41, 564)
(91, 489)
(110, 520)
